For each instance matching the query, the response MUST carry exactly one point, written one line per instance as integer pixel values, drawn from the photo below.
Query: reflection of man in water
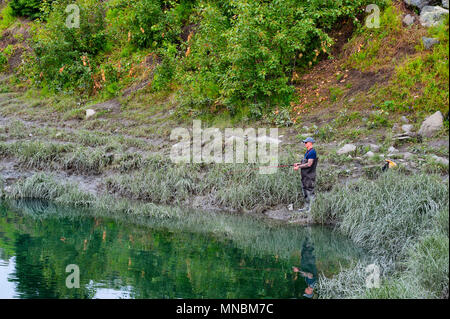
(308, 267)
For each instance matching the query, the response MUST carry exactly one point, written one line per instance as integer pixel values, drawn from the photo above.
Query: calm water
(125, 259)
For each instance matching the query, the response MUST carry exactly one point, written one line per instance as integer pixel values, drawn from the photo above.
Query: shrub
(64, 56)
(27, 8)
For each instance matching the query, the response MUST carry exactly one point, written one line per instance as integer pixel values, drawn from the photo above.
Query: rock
(428, 43)
(347, 148)
(395, 127)
(407, 128)
(404, 119)
(432, 15)
(417, 3)
(369, 154)
(374, 147)
(407, 155)
(445, 3)
(408, 20)
(392, 150)
(431, 125)
(403, 136)
(440, 160)
(89, 113)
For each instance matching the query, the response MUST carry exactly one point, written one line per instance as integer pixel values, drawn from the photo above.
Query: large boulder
(417, 3)
(432, 15)
(347, 148)
(445, 3)
(431, 125)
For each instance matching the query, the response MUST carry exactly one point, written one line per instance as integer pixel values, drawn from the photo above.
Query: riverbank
(401, 221)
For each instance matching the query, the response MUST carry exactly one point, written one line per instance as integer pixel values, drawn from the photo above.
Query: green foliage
(27, 8)
(3, 61)
(377, 119)
(63, 55)
(421, 84)
(335, 93)
(223, 56)
(145, 29)
(326, 133)
(7, 16)
(371, 52)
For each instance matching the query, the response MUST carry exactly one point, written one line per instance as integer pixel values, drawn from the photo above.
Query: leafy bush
(231, 56)
(26, 8)
(8, 17)
(243, 53)
(64, 55)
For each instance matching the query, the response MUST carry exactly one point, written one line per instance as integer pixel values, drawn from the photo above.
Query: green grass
(403, 222)
(7, 18)
(421, 83)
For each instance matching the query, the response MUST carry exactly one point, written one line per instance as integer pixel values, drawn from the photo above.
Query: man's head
(309, 292)
(309, 143)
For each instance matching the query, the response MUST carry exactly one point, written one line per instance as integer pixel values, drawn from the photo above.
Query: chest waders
(308, 183)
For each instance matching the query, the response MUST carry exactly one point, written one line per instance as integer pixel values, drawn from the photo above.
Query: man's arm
(308, 164)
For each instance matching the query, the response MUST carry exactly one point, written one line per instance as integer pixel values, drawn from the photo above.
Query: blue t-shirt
(311, 154)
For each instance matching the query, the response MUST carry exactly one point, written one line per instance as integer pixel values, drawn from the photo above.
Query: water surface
(214, 257)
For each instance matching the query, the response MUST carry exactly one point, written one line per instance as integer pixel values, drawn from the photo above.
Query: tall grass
(403, 222)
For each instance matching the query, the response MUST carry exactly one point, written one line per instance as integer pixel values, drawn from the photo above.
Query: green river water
(221, 256)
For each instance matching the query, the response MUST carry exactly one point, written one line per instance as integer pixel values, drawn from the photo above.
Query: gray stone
(347, 148)
(440, 160)
(369, 154)
(90, 113)
(417, 3)
(445, 3)
(432, 15)
(404, 119)
(407, 128)
(374, 147)
(395, 127)
(428, 43)
(409, 20)
(407, 155)
(392, 150)
(431, 125)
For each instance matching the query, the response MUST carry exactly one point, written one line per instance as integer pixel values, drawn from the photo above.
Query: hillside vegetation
(239, 57)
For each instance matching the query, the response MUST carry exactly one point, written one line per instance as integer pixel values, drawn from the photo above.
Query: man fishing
(308, 170)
